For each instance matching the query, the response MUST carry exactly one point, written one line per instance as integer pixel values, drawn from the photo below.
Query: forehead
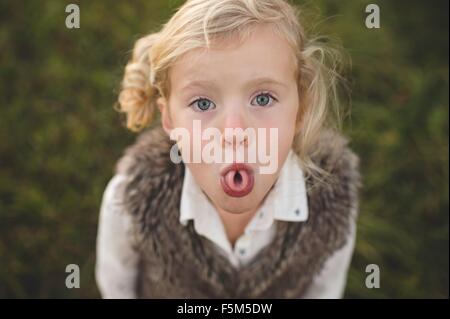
(263, 54)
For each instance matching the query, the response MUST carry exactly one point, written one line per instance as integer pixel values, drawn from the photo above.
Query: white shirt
(116, 264)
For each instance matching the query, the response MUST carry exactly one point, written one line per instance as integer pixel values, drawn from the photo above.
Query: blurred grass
(60, 138)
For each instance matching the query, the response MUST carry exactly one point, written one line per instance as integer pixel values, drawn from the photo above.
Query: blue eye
(203, 104)
(263, 99)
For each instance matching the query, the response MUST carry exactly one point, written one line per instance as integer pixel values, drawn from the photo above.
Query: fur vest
(176, 262)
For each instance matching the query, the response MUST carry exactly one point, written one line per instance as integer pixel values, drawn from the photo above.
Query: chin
(238, 205)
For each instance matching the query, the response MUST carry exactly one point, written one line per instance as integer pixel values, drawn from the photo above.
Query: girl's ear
(166, 120)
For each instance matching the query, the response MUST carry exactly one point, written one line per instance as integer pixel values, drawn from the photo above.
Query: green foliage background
(60, 137)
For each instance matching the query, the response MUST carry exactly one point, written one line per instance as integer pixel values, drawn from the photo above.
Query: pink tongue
(236, 184)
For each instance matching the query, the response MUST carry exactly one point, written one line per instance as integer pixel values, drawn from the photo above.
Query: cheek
(282, 119)
(286, 137)
(198, 172)
(180, 117)
(281, 114)
(192, 142)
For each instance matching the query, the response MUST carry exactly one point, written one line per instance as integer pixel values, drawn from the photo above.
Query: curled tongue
(237, 180)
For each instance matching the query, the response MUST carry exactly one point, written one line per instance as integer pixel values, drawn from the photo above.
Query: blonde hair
(195, 24)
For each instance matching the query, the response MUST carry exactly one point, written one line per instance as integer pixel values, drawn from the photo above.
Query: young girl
(198, 229)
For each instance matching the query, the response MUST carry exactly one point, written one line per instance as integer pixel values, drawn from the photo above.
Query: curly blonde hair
(196, 23)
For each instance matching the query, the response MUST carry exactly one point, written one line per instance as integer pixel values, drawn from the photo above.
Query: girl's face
(250, 85)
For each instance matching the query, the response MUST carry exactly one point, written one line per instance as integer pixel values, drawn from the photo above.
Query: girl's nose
(234, 128)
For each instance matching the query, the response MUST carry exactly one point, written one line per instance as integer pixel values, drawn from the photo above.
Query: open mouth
(237, 180)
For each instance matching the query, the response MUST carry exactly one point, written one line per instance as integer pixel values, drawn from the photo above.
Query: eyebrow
(266, 80)
(252, 82)
(197, 84)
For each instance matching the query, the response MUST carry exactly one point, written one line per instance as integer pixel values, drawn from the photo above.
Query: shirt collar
(287, 201)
